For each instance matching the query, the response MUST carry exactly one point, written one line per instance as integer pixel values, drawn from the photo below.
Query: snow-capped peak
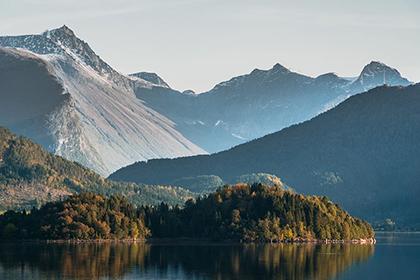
(63, 30)
(63, 41)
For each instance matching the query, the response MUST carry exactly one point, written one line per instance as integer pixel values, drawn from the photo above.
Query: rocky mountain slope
(55, 90)
(363, 154)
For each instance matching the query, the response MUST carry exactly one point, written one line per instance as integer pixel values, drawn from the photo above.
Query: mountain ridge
(233, 112)
(260, 102)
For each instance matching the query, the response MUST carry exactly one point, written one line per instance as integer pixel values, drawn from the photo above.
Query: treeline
(256, 213)
(245, 213)
(84, 216)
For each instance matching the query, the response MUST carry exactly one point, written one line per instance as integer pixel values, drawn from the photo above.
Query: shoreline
(191, 241)
(396, 231)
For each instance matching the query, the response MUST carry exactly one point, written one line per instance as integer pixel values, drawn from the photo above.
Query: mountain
(363, 154)
(62, 95)
(30, 176)
(63, 41)
(152, 78)
(55, 90)
(261, 102)
(377, 73)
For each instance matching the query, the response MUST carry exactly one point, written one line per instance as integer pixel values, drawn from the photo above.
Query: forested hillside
(30, 176)
(256, 213)
(84, 216)
(210, 183)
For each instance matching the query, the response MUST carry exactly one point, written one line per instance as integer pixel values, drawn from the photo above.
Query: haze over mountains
(259, 103)
(363, 154)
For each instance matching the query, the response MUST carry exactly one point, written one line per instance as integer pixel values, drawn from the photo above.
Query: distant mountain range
(259, 103)
(55, 90)
(64, 96)
(363, 154)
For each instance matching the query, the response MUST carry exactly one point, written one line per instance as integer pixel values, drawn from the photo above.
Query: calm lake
(395, 256)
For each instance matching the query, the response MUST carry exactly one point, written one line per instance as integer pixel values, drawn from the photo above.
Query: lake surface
(395, 256)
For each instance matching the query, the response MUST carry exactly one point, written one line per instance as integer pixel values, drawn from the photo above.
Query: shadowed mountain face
(363, 154)
(63, 96)
(259, 103)
(20, 73)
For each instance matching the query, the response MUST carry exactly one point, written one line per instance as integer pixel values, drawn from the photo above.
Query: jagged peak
(64, 36)
(279, 68)
(256, 70)
(64, 42)
(151, 77)
(330, 75)
(377, 63)
(63, 30)
(377, 70)
(377, 67)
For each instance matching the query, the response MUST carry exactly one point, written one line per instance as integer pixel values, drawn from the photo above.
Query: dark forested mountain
(259, 103)
(30, 176)
(363, 154)
(57, 91)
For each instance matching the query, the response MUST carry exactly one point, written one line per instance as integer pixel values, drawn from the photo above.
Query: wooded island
(238, 213)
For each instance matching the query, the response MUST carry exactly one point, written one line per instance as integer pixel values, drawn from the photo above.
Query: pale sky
(194, 44)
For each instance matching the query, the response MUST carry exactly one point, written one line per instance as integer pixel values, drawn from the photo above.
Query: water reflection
(133, 261)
